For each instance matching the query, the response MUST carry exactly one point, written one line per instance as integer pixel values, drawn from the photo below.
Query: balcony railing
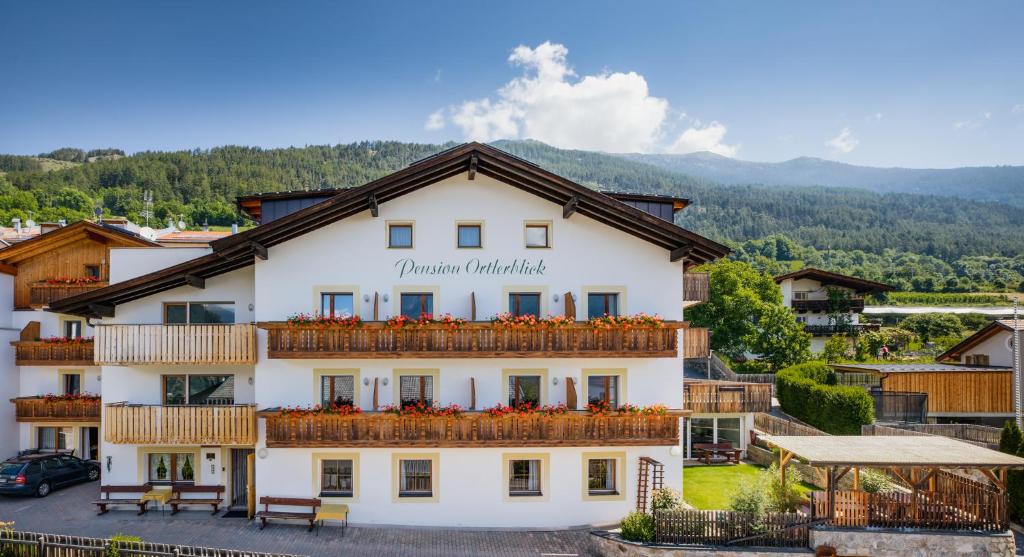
(39, 353)
(824, 330)
(855, 305)
(472, 340)
(713, 397)
(696, 288)
(180, 425)
(40, 409)
(43, 294)
(372, 429)
(176, 344)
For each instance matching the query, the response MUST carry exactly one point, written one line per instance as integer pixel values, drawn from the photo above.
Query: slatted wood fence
(176, 344)
(16, 543)
(774, 425)
(711, 397)
(575, 429)
(473, 340)
(696, 288)
(694, 527)
(180, 425)
(966, 510)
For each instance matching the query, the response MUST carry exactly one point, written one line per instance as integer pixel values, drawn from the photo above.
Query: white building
(827, 303)
(472, 233)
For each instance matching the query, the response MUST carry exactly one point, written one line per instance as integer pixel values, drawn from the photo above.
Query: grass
(711, 487)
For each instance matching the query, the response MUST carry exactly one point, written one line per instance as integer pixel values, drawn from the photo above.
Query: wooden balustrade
(180, 425)
(828, 306)
(40, 353)
(471, 340)
(696, 343)
(713, 397)
(176, 344)
(696, 288)
(977, 510)
(373, 429)
(43, 294)
(40, 409)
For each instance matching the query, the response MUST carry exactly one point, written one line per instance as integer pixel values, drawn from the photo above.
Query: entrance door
(239, 477)
(89, 439)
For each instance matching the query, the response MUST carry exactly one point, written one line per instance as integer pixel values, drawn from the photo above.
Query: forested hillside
(917, 241)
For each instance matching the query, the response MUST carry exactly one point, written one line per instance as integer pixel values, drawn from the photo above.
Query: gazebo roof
(895, 452)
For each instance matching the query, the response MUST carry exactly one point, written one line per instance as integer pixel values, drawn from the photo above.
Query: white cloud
(704, 138)
(1017, 109)
(609, 111)
(435, 121)
(843, 143)
(876, 117)
(973, 124)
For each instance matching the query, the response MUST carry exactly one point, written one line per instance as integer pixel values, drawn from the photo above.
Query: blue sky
(920, 84)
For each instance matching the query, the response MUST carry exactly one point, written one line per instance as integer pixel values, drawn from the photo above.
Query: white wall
(998, 347)
(235, 286)
(128, 263)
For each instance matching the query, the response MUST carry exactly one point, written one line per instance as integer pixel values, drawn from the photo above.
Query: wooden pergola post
(856, 479)
(784, 458)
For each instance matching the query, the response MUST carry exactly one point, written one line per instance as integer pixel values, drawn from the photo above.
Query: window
(181, 313)
(524, 478)
(416, 304)
(415, 478)
(538, 235)
(92, 271)
(199, 389)
(73, 328)
(337, 389)
(470, 236)
(414, 389)
(603, 388)
(524, 303)
(336, 478)
(524, 389)
(601, 476)
(53, 438)
(337, 304)
(71, 383)
(800, 295)
(400, 235)
(601, 304)
(170, 467)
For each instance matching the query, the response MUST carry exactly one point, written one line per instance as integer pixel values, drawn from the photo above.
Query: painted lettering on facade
(407, 267)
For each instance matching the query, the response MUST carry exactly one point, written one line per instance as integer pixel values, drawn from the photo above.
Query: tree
(778, 338)
(930, 325)
(836, 348)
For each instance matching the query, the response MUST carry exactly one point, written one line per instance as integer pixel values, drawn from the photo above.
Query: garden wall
(891, 543)
(606, 544)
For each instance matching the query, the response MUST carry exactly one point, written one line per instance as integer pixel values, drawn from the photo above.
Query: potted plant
(187, 473)
(161, 470)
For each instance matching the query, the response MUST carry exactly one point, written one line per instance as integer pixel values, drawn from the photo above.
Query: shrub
(665, 499)
(752, 496)
(873, 481)
(783, 498)
(836, 348)
(117, 541)
(638, 527)
(809, 393)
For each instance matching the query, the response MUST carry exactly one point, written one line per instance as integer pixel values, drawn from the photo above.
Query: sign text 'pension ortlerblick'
(407, 267)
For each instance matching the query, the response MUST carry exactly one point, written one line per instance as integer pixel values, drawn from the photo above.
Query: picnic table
(725, 452)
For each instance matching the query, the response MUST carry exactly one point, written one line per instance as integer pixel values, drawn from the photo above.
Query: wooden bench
(706, 452)
(266, 513)
(216, 498)
(105, 490)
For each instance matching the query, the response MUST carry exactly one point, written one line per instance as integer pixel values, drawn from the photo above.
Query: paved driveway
(68, 511)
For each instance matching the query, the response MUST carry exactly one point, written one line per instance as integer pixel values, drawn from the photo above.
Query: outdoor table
(332, 511)
(158, 497)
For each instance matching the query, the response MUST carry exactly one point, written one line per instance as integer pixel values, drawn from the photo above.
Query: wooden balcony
(372, 429)
(696, 288)
(696, 343)
(827, 330)
(472, 340)
(855, 305)
(42, 294)
(176, 344)
(722, 397)
(180, 425)
(39, 409)
(40, 353)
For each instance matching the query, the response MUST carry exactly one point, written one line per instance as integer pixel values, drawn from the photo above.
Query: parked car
(38, 474)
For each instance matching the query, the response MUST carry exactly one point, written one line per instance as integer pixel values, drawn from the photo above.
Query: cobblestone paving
(68, 511)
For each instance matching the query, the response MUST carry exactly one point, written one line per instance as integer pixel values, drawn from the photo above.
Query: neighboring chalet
(222, 364)
(827, 303)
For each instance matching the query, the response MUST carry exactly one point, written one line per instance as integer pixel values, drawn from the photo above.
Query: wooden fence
(16, 543)
(985, 436)
(696, 288)
(176, 344)
(693, 527)
(477, 340)
(774, 425)
(712, 397)
(575, 429)
(180, 425)
(900, 407)
(39, 409)
(967, 510)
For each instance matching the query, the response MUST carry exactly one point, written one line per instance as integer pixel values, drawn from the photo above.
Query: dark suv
(38, 474)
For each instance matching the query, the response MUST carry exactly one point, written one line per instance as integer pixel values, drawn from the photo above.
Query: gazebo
(932, 497)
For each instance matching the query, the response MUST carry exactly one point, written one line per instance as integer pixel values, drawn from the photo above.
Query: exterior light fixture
(110, 462)
(554, 380)
(262, 453)
(676, 451)
(384, 381)
(366, 381)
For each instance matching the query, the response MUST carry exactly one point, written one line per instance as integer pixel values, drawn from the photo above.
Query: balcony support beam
(679, 253)
(374, 208)
(259, 250)
(195, 281)
(102, 310)
(570, 207)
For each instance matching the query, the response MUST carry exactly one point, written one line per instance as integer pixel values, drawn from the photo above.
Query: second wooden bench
(266, 513)
(215, 492)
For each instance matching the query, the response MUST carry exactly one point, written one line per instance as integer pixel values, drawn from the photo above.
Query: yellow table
(158, 497)
(332, 511)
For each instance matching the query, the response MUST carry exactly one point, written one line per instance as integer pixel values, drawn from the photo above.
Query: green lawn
(711, 487)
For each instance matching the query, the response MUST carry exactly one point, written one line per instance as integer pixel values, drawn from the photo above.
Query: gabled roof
(238, 250)
(983, 334)
(68, 234)
(252, 204)
(830, 278)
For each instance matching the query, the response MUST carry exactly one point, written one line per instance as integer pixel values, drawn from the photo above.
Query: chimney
(234, 228)
(17, 224)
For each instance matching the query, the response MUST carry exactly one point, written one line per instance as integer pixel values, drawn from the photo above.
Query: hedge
(808, 392)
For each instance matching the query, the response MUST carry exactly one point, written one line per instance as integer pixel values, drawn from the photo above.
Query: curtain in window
(47, 438)
(415, 477)
(337, 389)
(336, 476)
(523, 388)
(603, 388)
(601, 475)
(416, 388)
(524, 476)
